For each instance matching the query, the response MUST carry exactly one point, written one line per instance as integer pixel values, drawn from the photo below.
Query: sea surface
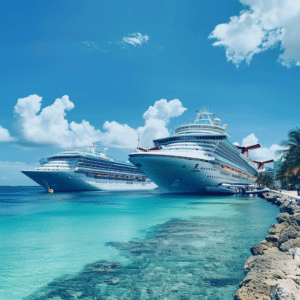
(126, 245)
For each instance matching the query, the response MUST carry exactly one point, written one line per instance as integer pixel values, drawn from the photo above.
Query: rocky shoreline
(273, 270)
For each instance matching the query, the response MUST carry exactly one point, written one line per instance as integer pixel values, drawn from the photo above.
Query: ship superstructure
(197, 158)
(75, 170)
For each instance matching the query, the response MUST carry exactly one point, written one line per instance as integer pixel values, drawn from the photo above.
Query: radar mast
(203, 116)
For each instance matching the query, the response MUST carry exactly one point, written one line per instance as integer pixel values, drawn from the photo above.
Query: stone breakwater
(273, 270)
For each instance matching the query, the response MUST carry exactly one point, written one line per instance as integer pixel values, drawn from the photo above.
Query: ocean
(126, 245)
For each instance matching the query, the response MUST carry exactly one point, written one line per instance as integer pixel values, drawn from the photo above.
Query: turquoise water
(146, 245)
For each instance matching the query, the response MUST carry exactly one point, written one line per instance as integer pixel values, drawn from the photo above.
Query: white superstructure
(197, 158)
(88, 170)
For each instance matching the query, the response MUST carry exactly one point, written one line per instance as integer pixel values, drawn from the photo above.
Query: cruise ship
(198, 158)
(88, 170)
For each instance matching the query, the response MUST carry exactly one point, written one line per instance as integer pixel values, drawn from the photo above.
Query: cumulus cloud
(262, 26)
(135, 39)
(263, 153)
(5, 136)
(49, 126)
(156, 119)
(251, 139)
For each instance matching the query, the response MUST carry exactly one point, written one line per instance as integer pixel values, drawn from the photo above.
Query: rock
(295, 253)
(290, 232)
(284, 208)
(248, 263)
(272, 238)
(260, 248)
(274, 273)
(289, 219)
(297, 219)
(112, 281)
(265, 271)
(276, 228)
(257, 291)
(283, 217)
(285, 289)
(293, 243)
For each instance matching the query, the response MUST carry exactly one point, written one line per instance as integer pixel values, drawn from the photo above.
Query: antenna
(138, 140)
(105, 150)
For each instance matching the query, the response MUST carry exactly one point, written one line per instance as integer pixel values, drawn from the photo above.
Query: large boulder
(288, 233)
(261, 247)
(257, 291)
(297, 219)
(285, 289)
(283, 217)
(276, 228)
(293, 243)
(290, 207)
(295, 253)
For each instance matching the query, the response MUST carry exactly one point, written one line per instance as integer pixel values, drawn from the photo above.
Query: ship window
(196, 165)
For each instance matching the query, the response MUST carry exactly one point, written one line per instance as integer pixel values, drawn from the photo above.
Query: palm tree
(292, 143)
(265, 180)
(291, 156)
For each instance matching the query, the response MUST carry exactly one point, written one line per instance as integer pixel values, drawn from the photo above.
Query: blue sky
(111, 64)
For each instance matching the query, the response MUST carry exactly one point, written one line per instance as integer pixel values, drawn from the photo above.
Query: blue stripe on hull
(179, 175)
(71, 181)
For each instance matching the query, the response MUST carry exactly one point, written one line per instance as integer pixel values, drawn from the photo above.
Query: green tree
(265, 180)
(291, 157)
(292, 143)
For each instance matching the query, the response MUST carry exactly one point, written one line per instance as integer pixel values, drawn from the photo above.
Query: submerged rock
(171, 262)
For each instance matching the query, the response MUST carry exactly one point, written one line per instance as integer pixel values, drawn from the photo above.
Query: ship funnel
(105, 150)
(217, 122)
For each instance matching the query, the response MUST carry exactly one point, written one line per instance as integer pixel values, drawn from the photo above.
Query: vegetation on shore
(265, 180)
(289, 171)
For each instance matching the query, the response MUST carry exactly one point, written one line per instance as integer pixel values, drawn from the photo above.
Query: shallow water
(148, 245)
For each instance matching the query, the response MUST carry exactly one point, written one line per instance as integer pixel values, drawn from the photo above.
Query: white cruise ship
(198, 158)
(88, 171)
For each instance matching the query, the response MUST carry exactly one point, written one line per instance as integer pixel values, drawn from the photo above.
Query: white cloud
(156, 119)
(49, 126)
(263, 153)
(264, 25)
(5, 136)
(135, 39)
(251, 139)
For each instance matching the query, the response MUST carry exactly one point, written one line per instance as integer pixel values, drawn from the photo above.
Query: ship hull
(183, 175)
(72, 181)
